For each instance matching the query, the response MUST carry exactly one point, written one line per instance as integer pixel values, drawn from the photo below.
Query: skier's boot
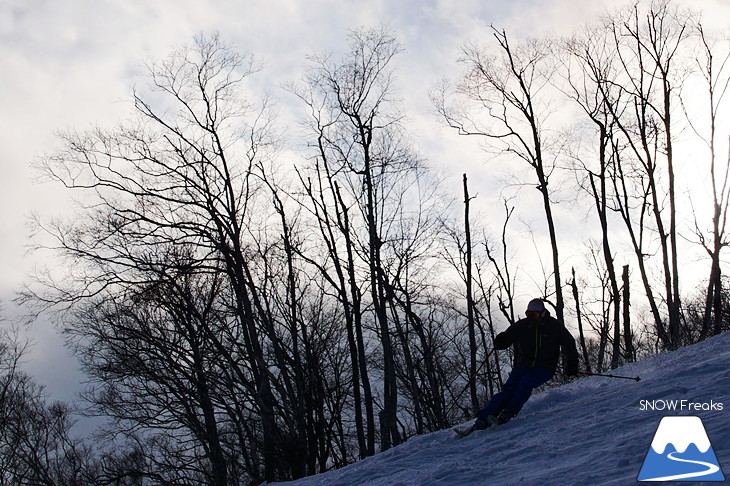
(502, 418)
(478, 424)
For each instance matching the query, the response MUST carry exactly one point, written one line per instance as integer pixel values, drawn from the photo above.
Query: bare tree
(712, 61)
(510, 110)
(369, 167)
(183, 177)
(37, 446)
(333, 220)
(588, 73)
(647, 47)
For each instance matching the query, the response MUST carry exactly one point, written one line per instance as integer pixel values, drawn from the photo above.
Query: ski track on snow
(588, 432)
(711, 469)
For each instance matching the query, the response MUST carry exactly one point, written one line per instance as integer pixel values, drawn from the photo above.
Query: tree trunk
(628, 335)
(470, 306)
(579, 317)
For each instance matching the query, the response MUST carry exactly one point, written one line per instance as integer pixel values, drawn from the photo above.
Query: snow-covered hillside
(593, 431)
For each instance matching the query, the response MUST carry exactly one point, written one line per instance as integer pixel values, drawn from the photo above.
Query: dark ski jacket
(538, 342)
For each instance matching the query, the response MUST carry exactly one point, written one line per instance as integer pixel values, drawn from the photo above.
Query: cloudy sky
(72, 63)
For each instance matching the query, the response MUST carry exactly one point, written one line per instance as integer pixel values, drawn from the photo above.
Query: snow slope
(590, 432)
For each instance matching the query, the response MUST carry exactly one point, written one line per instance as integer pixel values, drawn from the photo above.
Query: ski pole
(635, 378)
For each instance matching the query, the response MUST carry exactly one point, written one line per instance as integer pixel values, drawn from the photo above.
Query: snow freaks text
(679, 405)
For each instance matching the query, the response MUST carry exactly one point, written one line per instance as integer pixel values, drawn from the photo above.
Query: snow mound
(594, 431)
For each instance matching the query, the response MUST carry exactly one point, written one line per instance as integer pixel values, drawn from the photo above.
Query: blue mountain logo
(681, 451)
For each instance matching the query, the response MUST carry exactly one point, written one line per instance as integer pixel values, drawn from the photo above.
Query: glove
(571, 368)
(501, 341)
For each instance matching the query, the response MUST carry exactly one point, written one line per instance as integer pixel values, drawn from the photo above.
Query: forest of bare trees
(245, 316)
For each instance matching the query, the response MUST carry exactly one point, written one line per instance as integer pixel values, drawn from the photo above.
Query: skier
(537, 339)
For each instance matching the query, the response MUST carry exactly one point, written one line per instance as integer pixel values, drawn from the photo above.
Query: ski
(462, 432)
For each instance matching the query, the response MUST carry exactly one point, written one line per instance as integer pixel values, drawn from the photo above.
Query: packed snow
(593, 431)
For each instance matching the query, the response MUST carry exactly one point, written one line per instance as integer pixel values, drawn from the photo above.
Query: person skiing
(537, 339)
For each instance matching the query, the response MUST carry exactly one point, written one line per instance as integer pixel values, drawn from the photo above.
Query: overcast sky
(72, 63)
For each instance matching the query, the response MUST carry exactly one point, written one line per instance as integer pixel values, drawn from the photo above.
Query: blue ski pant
(516, 391)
